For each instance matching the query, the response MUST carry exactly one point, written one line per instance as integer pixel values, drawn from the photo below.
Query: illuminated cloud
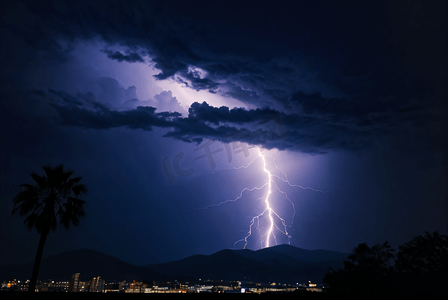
(362, 81)
(266, 127)
(330, 89)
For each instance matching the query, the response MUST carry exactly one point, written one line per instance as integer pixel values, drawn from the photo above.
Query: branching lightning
(239, 197)
(269, 235)
(275, 223)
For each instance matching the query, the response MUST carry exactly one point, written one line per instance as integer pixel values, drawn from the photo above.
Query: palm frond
(25, 201)
(30, 221)
(66, 175)
(79, 189)
(51, 200)
(40, 180)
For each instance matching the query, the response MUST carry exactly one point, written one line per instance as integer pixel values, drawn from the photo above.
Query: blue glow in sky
(344, 98)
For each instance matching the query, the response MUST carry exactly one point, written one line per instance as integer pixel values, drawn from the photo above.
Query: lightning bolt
(268, 238)
(269, 235)
(268, 207)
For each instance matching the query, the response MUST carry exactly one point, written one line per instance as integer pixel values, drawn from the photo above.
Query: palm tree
(53, 198)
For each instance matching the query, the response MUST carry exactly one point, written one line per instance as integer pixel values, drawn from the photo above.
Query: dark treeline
(418, 270)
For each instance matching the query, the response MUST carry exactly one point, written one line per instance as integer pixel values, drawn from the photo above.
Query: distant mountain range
(89, 263)
(282, 263)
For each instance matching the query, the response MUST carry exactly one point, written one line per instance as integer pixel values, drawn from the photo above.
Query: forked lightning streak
(268, 238)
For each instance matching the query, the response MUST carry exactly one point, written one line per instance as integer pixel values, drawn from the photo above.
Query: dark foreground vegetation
(418, 271)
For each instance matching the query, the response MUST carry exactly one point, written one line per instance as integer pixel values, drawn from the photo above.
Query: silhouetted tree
(419, 270)
(423, 254)
(52, 198)
(365, 270)
(422, 266)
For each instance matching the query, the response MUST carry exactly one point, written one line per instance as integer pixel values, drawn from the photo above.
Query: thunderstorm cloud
(278, 68)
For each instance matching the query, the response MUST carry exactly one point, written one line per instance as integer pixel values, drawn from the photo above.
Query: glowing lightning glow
(268, 212)
(239, 197)
(268, 207)
(269, 235)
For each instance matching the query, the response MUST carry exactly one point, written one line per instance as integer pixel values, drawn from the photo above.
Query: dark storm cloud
(169, 69)
(197, 83)
(318, 76)
(262, 126)
(346, 65)
(117, 55)
(223, 114)
(246, 96)
(83, 111)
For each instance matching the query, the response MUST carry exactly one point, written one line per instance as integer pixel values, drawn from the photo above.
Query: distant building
(136, 287)
(97, 285)
(74, 283)
(112, 287)
(311, 287)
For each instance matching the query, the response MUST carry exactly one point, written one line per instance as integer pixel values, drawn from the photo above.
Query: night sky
(163, 107)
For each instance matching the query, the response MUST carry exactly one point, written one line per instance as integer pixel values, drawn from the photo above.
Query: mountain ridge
(281, 263)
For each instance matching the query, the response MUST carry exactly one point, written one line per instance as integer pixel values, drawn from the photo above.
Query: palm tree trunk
(40, 250)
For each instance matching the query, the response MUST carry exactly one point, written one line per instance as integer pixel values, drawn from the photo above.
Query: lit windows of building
(74, 283)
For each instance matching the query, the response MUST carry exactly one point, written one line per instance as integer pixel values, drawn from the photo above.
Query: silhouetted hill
(89, 263)
(308, 255)
(283, 263)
